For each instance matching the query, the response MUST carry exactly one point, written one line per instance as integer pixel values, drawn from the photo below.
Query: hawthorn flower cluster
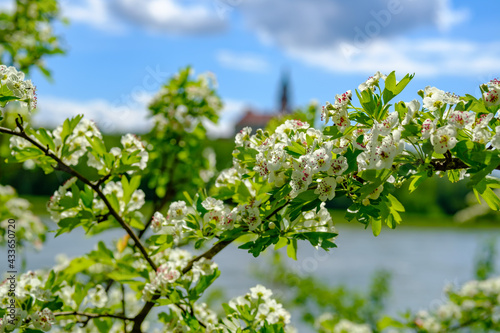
(476, 302)
(439, 122)
(260, 307)
(318, 220)
(69, 146)
(491, 93)
(30, 287)
(29, 227)
(202, 313)
(21, 89)
(132, 146)
(30, 292)
(382, 143)
(329, 323)
(170, 265)
(199, 101)
(338, 111)
(372, 82)
(174, 223)
(294, 154)
(78, 137)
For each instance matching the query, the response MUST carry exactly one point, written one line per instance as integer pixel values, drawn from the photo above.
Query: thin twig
(92, 315)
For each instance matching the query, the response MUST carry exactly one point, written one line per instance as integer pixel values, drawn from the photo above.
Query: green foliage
(27, 37)
(177, 160)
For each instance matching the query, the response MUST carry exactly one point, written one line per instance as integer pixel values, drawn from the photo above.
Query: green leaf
(123, 276)
(453, 175)
(488, 195)
(296, 149)
(389, 322)
(67, 224)
(417, 179)
(77, 265)
(69, 126)
(45, 139)
(390, 87)
(318, 238)
(395, 204)
(87, 196)
(492, 160)
(136, 223)
(204, 282)
(5, 99)
(103, 325)
(410, 130)
(367, 101)
(333, 131)
(135, 182)
(281, 243)
(291, 249)
(97, 146)
(376, 226)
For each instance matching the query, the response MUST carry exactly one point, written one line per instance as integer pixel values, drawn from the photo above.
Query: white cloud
(95, 13)
(52, 111)
(242, 61)
(369, 35)
(170, 16)
(448, 17)
(427, 57)
(323, 24)
(111, 118)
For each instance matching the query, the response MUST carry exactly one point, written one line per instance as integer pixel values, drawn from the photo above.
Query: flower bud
(421, 93)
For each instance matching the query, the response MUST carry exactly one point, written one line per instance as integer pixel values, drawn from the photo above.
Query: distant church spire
(284, 97)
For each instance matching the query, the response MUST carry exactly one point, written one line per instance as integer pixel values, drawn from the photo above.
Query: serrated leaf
(395, 204)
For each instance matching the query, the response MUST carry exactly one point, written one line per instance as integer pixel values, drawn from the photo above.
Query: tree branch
(92, 315)
(66, 168)
(450, 163)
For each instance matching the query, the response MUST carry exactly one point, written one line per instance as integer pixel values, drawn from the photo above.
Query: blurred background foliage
(27, 36)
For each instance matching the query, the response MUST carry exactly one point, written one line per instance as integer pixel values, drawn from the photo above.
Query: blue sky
(120, 51)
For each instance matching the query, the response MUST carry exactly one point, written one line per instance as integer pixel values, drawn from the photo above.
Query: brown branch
(92, 315)
(444, 164)
(64, 167)
(209, 254)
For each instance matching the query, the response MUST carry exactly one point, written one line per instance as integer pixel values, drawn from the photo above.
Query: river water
(422, 261)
